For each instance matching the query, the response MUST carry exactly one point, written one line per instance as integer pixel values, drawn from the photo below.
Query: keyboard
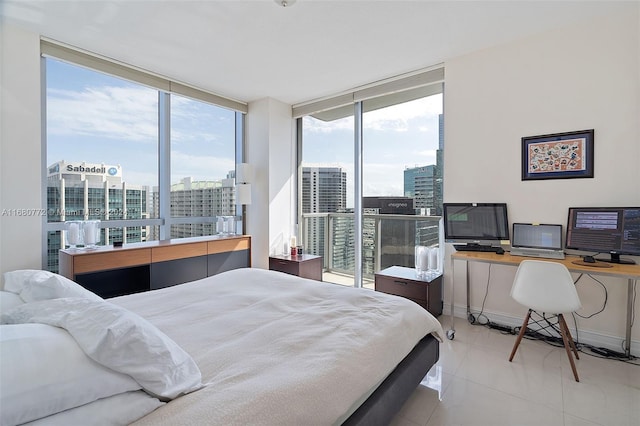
(533, 252)
(478, 247)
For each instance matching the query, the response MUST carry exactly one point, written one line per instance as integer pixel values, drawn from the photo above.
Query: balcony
(388, 240)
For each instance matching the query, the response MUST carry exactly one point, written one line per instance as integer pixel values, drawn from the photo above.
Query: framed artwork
(558, 156)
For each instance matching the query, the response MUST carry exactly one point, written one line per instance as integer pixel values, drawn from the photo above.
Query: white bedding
(119, 340)
(67, 354)
(274, 349)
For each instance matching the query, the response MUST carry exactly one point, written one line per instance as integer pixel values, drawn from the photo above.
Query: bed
(247, 346)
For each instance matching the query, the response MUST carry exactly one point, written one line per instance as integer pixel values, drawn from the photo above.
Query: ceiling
(249, 50)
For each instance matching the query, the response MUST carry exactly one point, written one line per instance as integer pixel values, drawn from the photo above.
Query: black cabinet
(179, 271)
(116, 282)
(226, 261)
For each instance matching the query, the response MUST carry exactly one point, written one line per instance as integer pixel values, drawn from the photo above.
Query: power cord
(476, 319)
(480, 319)
(606, 297)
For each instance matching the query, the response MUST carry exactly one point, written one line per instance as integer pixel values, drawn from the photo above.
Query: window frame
(164, 87)
(389, 92)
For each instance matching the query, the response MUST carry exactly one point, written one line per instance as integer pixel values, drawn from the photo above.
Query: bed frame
(385, 402)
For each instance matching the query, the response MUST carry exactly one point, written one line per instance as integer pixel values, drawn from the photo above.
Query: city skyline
(97, 118)
(394, 138)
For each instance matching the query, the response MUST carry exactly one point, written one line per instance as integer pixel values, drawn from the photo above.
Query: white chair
(546, 287)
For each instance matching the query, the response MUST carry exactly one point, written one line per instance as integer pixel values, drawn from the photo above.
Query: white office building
(87, 191)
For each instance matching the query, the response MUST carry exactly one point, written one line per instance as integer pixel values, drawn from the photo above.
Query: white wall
(271, 151)
(20, 146)
(575, 78)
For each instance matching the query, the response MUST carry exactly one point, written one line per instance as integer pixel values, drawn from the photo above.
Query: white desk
(630, 272)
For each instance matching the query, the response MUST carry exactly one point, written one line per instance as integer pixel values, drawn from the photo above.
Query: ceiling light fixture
(285, 3)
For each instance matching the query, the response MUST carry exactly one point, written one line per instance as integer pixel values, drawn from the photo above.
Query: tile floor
(473, 383)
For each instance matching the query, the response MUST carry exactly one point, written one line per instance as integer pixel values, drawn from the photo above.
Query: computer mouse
(588, 259)
(499, 250)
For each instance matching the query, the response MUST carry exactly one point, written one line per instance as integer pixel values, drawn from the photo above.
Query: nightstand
(402, 281)
(303, 266)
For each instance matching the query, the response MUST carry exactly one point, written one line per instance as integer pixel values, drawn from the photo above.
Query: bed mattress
(275, 349)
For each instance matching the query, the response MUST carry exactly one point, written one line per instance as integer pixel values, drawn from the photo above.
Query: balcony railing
(387, 240)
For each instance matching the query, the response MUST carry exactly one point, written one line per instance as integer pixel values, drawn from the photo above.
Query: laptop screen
(528, 235)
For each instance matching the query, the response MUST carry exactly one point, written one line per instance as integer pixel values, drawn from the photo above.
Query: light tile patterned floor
(474, 383)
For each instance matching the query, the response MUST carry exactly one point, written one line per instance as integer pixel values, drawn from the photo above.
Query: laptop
(535, 240)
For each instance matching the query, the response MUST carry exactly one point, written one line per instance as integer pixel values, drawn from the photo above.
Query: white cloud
(397, 117)
(128, 113)
(199, 167)
(427, 156)
(195, 121)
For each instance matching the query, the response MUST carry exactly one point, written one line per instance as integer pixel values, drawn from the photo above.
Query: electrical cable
(556, 341)
(474, 319)
(606, 296)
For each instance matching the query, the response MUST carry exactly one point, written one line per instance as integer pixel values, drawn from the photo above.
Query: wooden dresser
(114, 271)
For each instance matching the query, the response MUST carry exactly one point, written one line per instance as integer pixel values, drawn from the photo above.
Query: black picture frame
(566, 155)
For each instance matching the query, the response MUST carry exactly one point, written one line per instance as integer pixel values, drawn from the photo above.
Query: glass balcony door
(400, 148)
(401, 176)
(327, 195)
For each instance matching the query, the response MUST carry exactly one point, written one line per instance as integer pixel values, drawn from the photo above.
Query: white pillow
(121, 409)
(44, 371)
(118, 339)
(34, 285)
(9, 300)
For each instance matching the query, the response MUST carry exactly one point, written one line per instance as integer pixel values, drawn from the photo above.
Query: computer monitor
(475, 223)
(612, 230)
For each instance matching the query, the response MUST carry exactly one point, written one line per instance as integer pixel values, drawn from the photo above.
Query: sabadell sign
(81, 169)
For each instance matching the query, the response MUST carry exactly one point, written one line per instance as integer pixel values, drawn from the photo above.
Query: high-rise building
(324, 190)
(419, 184)
(424, 183)
(86, 191)
(191, 198)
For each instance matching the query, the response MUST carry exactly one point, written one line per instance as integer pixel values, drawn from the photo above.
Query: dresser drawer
(283, 266)
(401, 287)
(304, 266)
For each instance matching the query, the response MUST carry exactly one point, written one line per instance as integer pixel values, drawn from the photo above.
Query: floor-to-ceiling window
(401, 175)
(400, 147)
(327, 191)
(202, 166)
(145, 161)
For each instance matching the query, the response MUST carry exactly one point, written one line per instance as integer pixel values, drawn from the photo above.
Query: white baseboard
(589, 337)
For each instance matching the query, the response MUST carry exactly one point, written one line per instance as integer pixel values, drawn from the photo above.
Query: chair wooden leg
(573, 344)
(523, 330)
(565, 338)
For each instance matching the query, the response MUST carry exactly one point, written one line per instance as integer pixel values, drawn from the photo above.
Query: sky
(394, 138)
(97, 118)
